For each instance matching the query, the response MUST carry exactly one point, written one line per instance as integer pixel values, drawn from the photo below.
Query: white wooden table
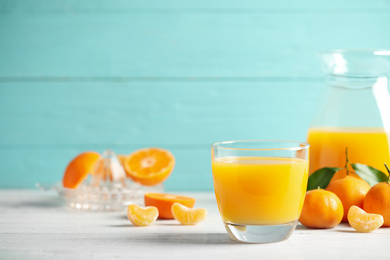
(36, 225)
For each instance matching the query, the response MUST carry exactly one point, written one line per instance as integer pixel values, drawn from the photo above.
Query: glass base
(260, 233)
(86, 197)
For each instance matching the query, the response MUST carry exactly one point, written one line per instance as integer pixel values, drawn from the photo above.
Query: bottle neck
(355, 102)
(357, 82)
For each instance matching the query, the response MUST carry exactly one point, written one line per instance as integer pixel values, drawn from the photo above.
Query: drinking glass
(260, 187)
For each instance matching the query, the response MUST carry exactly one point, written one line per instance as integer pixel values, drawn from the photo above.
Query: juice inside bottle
(365, 145)
(260, 190)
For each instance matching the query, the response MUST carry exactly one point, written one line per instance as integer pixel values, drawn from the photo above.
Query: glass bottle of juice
(354, 112)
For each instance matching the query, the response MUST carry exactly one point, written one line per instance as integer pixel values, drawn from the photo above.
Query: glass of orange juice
(260, 187)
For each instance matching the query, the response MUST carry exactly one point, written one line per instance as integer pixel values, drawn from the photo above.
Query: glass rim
(377, 52)
(300, 145)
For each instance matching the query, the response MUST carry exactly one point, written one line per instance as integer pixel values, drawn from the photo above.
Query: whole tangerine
(351, 191)
(377, 201)
(342, 173)
(321, 209)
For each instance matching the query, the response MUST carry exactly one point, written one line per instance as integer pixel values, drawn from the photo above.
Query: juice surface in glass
(260, 190)
(365, 145)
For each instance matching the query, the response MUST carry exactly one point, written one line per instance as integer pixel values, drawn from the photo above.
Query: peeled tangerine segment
(362, 221)
(142, 216)
(188, 216)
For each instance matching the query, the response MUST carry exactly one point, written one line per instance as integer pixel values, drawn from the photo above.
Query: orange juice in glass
(260, 187)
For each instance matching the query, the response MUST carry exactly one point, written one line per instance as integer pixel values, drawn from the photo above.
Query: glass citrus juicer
(107, 189)
(354, 111)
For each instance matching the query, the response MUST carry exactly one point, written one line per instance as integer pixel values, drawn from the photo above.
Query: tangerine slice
(163, 202)
(188, 216)
(79, 168)
(142, 216)
(362, 221)
(149, 166)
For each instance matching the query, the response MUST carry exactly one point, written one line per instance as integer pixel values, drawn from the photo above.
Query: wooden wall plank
(168, 113)
(45, 124)
(196, 5)
(241, 44)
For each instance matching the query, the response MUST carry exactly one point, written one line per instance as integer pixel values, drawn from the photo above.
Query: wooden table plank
(35, 225)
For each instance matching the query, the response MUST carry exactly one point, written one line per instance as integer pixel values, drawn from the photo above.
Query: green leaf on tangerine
(371, 175)
(321, 178)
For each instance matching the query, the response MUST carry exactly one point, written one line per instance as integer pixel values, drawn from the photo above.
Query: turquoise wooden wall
(96, 74)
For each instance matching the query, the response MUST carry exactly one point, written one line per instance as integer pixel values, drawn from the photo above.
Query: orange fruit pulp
(188, 216)
(350, 190)
(79, 168)
(377, 201)
(362, 221)
(140, 216)
(149, 166)
(321, 209)
(163, 202)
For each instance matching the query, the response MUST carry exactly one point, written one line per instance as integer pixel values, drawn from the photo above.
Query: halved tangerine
(149, 166)
(140, 216)
(79, 168)
(164, 202)
(188, 216)
(362, 221)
